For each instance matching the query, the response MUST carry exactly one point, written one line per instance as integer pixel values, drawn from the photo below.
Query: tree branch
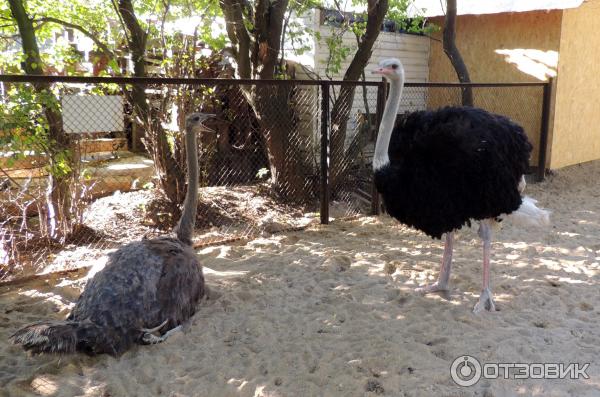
(137, 42)
(375, 15)
(33, 61)
(453, 53)
(286, 21)
(238, 34)
(166, 6)
(71, 25)
(116, 8)
(9, 37)
(269, 26)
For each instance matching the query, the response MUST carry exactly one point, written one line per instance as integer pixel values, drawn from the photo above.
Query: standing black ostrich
(147, 286)
(445, 168)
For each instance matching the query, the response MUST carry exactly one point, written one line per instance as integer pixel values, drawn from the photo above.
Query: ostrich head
(194, 121)
(391, 69)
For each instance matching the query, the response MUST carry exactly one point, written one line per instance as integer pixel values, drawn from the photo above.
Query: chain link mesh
(351, 155)
(260, 161)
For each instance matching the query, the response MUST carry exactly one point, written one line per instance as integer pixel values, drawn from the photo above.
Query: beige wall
(510, 47)
(577, 111)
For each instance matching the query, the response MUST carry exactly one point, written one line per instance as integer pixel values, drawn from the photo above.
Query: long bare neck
(185, 226)
(381, 157)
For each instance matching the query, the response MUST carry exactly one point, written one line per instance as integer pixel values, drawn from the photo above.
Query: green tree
(51, 137)
(148, 121)
(117, 30)
(256, 30)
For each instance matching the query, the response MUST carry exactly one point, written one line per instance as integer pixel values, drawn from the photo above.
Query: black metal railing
(279, 150)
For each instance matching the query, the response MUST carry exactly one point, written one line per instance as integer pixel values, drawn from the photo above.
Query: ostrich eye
(394, 66)
(197, 118)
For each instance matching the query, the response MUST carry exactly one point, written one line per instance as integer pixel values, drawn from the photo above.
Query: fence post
(324, 153)
(381, 97)
(541, 171)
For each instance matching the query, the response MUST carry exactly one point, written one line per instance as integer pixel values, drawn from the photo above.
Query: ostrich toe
(486, 302)
(435, 287)
(151, 339)
(155, 329)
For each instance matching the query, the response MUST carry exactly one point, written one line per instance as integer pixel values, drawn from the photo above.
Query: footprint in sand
(337, 263)
(290, 240)
(391, 267)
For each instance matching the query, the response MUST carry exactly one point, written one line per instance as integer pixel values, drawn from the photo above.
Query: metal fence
(280, 155)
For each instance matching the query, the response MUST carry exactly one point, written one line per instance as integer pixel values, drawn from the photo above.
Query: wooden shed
(518, 41)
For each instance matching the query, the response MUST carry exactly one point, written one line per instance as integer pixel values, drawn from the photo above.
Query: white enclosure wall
(92, 113)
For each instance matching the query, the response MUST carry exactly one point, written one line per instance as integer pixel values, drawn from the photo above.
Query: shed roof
(476, 7)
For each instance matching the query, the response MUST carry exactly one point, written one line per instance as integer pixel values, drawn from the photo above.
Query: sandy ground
(331, 312)
(224, 214)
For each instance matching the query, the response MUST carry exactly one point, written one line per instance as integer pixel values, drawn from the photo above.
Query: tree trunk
(453, 53)
(58, 197)
(257, 55)
(273, 105)
(137, 46)
(284, 142)
(340, 113)
(171, 175)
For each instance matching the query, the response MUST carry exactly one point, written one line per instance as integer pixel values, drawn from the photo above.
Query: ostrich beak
(381, 70)
(207, 117)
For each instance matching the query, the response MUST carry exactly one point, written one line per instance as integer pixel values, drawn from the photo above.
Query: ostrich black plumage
(439, 170)
(147, 287)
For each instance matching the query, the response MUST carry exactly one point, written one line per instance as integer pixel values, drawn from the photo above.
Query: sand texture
(331, 311)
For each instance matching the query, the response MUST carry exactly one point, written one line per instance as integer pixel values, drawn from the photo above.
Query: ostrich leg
(151, 339)
(486, 301)
(442, 282)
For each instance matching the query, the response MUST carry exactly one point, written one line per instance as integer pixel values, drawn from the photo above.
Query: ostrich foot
(150, 339)
(155, 329)
(435, 287)
(486, 302)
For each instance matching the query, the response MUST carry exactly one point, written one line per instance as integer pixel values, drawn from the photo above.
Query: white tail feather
(528, 214)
